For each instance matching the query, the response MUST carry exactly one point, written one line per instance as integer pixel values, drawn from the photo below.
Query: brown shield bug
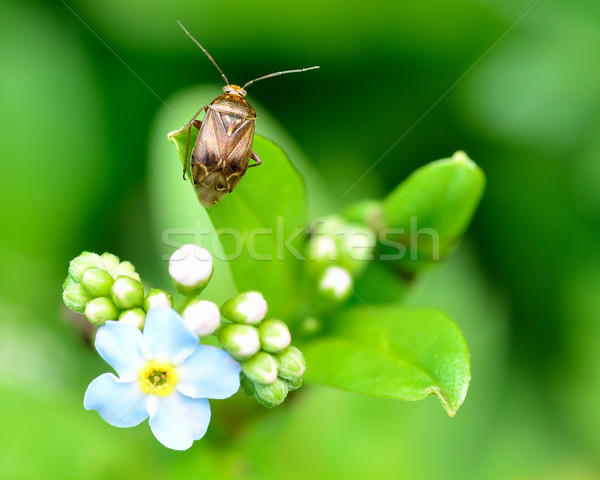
(223, 147)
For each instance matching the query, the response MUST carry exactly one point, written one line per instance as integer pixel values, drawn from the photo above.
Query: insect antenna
(205, 52)
(300, 70)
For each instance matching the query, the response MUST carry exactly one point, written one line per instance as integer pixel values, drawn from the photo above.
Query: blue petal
(121, 346)
(176, 420)
(209, 372)
(122, 404)
(166, 335)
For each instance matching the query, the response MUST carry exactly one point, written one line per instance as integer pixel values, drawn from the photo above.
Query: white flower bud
(324, 248)
(321, 251)
(156, 297)
(202, 317)
(274, 335)
(335, 283)
(360, 243)
(190, 267)
(247, 307)
(240, 341)
(329, 226)
(134, 317)
(356, 248)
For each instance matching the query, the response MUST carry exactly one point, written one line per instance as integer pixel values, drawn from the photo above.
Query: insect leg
(197, 124)
(256, 158)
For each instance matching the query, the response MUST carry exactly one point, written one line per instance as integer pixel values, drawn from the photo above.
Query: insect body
(223, 149)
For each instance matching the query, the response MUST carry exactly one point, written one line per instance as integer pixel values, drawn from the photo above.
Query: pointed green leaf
(184, 139)
(393, 352)
(428, 212)
(261, 227)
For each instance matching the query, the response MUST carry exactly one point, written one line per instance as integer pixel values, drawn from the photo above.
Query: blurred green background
(77, 134)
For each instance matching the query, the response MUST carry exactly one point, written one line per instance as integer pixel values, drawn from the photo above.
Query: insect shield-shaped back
(223, 148)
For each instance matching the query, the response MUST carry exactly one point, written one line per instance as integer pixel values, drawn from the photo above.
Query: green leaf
(378, 284)
(181, 141)
(260, 225)
(431, 209)
(393, 352)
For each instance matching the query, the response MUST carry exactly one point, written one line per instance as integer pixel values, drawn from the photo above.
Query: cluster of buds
(338, 252)
(271, 367)
(103, 288)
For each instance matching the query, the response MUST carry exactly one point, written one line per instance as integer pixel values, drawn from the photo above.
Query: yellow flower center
(158, 378)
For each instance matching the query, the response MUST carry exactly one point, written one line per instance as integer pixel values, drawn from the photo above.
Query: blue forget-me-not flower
(164, 374)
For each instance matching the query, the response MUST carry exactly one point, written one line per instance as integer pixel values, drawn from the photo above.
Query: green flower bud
(274, 335)
(97, 282)
(356, 247)
(335, 284)
(247, 307)
(127, 293)
(202, 317)
(321, 251)
(190, 268)
(111, 262)
(99, 310)
(240, 341)
(126, 269)
(261, 368)
(330, 226)
(291, 363)
(271, 395)
(106, 261)
(75, 296)
(82, 262)
(134, 317)
(156, 297)
(310, 326)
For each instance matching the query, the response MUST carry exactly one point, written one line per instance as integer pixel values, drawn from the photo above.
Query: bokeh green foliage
(524, 289)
